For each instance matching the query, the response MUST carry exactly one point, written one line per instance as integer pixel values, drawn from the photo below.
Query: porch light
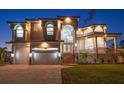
(59, 54)
(12, 55)
(30, 55)
(75, 44)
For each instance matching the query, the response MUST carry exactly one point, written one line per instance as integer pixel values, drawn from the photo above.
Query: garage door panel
(22, 55)
(45, 58)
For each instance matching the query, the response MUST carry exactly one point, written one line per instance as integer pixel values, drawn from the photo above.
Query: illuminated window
(89, 43)
(88, 30)
(98, 29)
(19, 31)
(67, 34)
(100, 42)
(79, 33)
(50, 29)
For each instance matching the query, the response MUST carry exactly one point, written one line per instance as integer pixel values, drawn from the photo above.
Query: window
(89, 43)
(100, 42)
(88, 30)
(67, 34)
(98, 29)
(50, 29)
(19, 31)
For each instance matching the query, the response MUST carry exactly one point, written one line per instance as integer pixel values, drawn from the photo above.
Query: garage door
(45, 57)
(22, 55)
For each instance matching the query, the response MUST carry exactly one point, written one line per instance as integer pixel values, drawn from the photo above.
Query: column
(115, 44)
(96, 47)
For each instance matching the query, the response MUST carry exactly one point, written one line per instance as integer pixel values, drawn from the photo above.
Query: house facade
(57, 40)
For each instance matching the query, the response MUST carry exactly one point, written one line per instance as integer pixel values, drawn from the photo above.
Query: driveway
(30, 74)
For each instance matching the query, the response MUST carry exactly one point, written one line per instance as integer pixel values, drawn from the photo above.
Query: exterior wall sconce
(68, 20)
(30, 55)
(45, 45)
(12, 55)
(75, 44)
(59, 54)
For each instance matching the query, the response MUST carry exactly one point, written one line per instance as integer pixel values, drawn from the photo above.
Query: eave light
(68, 20)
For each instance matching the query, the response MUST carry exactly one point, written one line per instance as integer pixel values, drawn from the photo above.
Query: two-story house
(56, 40)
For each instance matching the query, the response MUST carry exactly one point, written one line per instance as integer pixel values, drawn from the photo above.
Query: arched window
(50, 29)
(98, 29)
(19, 30)
(67, 34)
(88, 30)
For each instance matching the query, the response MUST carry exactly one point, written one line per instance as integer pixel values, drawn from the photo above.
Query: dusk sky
(113, 18)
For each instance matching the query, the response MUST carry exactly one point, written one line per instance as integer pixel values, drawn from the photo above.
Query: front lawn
(94, 74)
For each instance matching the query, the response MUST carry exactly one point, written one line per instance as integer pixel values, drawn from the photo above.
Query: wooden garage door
(45, 57)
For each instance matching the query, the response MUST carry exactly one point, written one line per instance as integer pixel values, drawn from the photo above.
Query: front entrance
(45, 56)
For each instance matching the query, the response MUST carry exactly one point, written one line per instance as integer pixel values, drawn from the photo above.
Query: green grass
(94, 74)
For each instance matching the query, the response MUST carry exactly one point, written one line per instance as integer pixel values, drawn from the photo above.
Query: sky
(114, 19)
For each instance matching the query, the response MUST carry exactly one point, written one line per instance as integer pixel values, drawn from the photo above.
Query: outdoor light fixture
(45, 45)
(79, 29)
(59, 54)
(68, 20)
(30, 55)
(75, 44)
(47, 49)
(12, 55)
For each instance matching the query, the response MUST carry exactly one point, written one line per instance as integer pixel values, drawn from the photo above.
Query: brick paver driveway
(50, 74)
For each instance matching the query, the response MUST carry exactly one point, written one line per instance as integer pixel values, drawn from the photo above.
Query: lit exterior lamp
(30, 55)
(75, 44)
(45, 45)
(12, 55)
(68, 20)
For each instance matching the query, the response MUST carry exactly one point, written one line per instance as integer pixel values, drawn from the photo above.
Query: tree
(121, 44)
(3, 53)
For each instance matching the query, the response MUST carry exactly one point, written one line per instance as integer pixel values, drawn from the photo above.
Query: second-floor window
(19, 30)
(50, 29)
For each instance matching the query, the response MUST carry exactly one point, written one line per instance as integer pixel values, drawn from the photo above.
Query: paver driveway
(26, 74)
